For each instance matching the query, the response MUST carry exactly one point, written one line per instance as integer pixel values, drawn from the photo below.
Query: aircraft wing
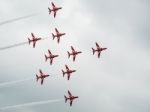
(99, 53)
(72, 49)
(51, 61)
(42, 80)
(69, 93)
(49, 52)
(56, 30)
(67, 67)
(58, 39)
(53, 5)
(97, 45)
(68, 76)
(32, 35)
(54, 14)
(71, 103)
(74, 57)
(34, 44)
(40, 71)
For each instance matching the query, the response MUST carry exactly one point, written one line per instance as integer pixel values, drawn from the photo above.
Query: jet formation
(51, 56)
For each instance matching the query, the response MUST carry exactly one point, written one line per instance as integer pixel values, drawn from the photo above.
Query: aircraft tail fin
(65, 98)
(37, 78)
(46, 58)
(93, 50)
(63, 73)
(68, 54)
(29, 40)
(49, 10)
(53, 36)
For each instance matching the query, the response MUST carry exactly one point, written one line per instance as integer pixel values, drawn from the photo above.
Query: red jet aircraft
(51, 56)
(70, 97)
(68, 72)
(41, 76)
(99, 49)
(58, 35)
(34, 39)
(54, 9)
(73, 53)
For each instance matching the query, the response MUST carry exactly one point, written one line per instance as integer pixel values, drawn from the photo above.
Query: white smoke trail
(45, 38)
(17, 19)
(8, 84)
(14, 45)
(30, 104)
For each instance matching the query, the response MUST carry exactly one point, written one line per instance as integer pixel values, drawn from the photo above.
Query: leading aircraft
(68, 72)
(58, 35)
(98, 49)
(50, 56)
(73, 53)
(70, 97)
(41, 76)
(34, 39)
(54, 9)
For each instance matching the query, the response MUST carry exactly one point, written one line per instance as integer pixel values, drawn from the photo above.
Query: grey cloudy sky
(118, 82)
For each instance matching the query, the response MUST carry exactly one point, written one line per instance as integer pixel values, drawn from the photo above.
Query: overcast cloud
(117, 82)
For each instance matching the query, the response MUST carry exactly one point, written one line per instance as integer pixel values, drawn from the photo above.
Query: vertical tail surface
(37, 78)
(63, 73)
(68, 54)
(65, 98)
(29, 40)
(93, 50)
(49, 10)
(46, 58)
(53, 36)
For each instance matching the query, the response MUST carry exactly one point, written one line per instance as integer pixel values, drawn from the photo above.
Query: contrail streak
(18, 44)
(31, 104)
(14, 45)
(7, 84)
(17, 19)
